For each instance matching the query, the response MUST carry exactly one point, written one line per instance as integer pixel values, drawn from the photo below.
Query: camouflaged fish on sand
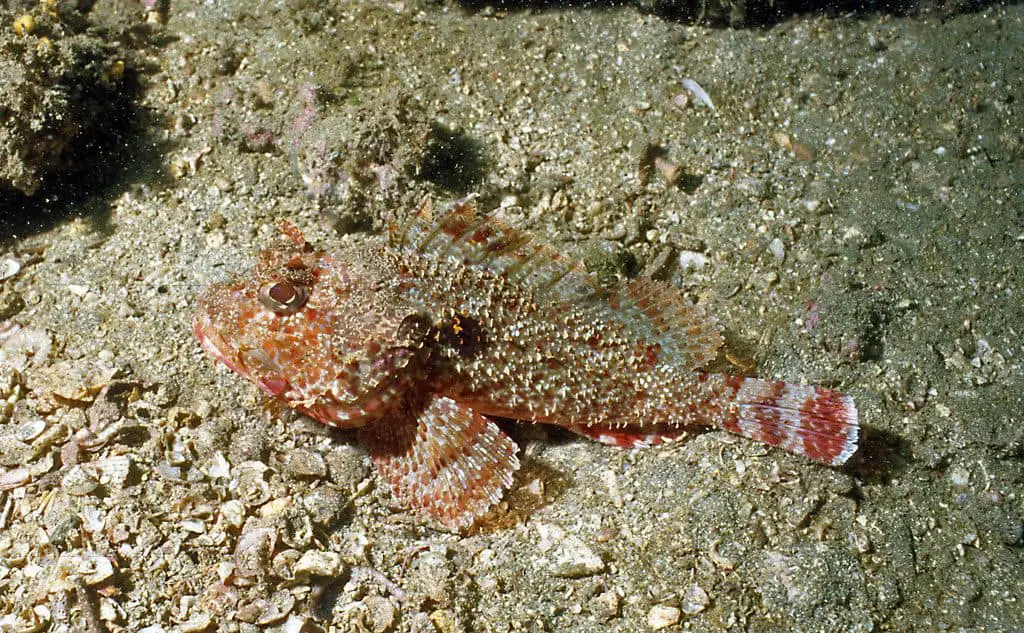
(421, 341)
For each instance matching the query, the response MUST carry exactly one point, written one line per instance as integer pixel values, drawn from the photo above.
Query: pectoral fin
(443, 459)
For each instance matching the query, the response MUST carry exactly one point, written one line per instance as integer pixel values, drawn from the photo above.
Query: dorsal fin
(649, 309)
(489, 245)
(661, 313)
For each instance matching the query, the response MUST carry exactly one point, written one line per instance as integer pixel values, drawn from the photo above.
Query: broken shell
(277, 609)
(75, 382)
(180, 453)
(193, 526)
(95, 569)
(224, 570)
(43, 465)
(30, 429)
(167, 471)
(283, 563)
(109, 610)
(26, 343)
(14, 478)
(275, 507)
(114, 470)
(252, 554)
(574, 559)
(218, 467)
(79, 482)
(9, 268)
(249, 485)
(92, 519)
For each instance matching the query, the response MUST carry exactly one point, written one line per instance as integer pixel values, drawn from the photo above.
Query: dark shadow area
(92, 174)
(325, 594)
(881, 456)
(454, 161)
(743, 13)
(655, 161)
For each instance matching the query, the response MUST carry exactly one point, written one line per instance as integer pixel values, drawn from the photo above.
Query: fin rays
(655, 310)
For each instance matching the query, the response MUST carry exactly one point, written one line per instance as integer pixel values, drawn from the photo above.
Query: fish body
(420, 342)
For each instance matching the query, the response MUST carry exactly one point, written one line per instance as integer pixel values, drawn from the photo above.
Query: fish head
(312, 329)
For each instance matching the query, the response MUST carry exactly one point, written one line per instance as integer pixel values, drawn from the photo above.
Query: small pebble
(195, 624)
(78, 290)
(694, 600)
(692, 260)
(380, 613)
(605, 606)
(13, 452)
(305, 463)
(233, 512)
(314, 563)
(79, 482)
(959, 476)
(573, 559)
(294, 624)
(660, 617)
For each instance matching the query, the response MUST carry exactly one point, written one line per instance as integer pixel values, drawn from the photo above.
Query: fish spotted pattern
(420, 342)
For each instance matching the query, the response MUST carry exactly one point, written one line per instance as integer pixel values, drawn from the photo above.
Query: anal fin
(630, 437)
(443, 459)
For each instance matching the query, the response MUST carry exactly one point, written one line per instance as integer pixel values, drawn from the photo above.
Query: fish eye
(283, 297)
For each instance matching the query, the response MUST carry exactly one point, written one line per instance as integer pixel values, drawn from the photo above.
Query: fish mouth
(215, 345)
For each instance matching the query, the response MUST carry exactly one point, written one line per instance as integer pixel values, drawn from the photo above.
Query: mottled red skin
(458, 319)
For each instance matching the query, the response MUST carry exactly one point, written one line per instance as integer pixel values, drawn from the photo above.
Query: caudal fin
(818, 423)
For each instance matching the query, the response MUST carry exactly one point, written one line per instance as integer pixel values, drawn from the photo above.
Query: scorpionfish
(421, 340)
